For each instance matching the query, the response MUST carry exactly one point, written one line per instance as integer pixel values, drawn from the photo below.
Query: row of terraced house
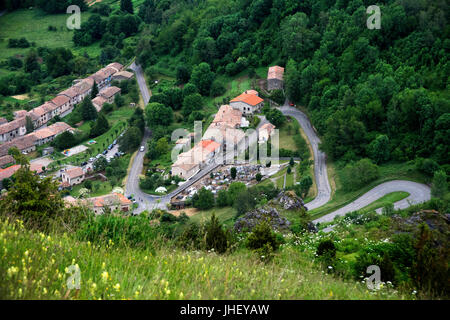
(14, 133)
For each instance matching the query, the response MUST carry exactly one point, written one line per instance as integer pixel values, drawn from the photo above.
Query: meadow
(33, 25)
(36, 266)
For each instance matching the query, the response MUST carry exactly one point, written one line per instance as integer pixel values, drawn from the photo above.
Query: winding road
(320, 160)
(417, 192)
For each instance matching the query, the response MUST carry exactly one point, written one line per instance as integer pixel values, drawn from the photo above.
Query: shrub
(326, 247)
(263, 240)
(216, 238)
(359, 174)
(203, 200)
(192, 237)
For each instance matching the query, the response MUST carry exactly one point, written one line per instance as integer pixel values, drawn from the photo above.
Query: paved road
(147, 201)
(417, 193)
(141, 82)
(320, 165)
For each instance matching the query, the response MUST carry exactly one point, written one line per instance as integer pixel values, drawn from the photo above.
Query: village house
(185, 170)
(225, 128)
(100, 78)
(117, 67)
(72, 176)
(275, 78)
(98, 103)
(12, 129)
(7, 173)
(182, 143)
(49, 133)
(188, 163)
(103, 77)
(6, 160)
(44, 113)
(25, 144)
(122, 75)
(113, 202)
(247, 103)
(10, 171)
(228, 116)
(109, 93)
(72, 94)
(62, 104)
(265, 132)
(20, 114)
(84, 88)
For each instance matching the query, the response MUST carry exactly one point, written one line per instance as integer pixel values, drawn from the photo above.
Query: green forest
(371, 93)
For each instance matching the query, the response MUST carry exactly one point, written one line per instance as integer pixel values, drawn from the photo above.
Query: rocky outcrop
(255, 217)
(290, 201)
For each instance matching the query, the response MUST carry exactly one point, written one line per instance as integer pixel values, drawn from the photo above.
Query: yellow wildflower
(12, 271)
(105, 276)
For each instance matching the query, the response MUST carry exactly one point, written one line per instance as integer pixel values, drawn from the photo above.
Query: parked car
(142, 148)
(114, 142)
(110, 147)
(105, 152)
(291, 104)
(84, 163)
(98, 156)
(91, 159)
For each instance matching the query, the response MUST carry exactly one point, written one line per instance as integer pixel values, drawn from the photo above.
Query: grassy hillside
(33, 266)
(33, 25)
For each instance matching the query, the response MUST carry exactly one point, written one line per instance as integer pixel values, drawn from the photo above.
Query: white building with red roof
(72, 176)
(247, 103)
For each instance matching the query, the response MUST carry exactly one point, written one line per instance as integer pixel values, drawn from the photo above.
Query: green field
(225, 215)
(33, 25)
(99, 188)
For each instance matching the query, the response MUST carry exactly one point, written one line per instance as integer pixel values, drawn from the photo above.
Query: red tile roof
(110, 92)
(71, 92)
(20, 143)
(210, 145)
(249, 99)
(74, 172)
(275, 72)
(228, 116)
(60, 100)
(6, 160)
(12, 125)
(8, 172)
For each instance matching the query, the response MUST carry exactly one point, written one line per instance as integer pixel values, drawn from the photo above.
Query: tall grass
(33, 266)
